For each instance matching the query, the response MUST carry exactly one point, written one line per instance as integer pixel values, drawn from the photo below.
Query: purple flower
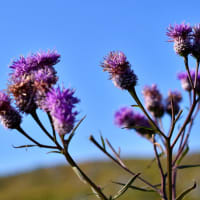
(60, 104)
(119, 69)
(127, 118)
(31, 79)
(24, 66)
(9, 117)
(177, 98)
(153, 100)
(185, 83)
(181, 35)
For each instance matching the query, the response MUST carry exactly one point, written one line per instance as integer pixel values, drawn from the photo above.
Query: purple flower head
(185, 83)
(179, 31)
(9, 117)
(181, 34)
(153, 100)
(24, 66)
(177, 98)
(60, 104)
(127, 118)
(31, 79)
(119, 69)
(196, 41)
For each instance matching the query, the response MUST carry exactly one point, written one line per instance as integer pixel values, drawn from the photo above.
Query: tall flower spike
(127, 118)
(60, 104)
(153, 100)
(181, 36)
(196, 41)
(119, 69)
(9, 117)
(177, 98)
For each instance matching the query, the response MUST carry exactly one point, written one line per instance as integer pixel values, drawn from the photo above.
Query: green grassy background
(60, 183)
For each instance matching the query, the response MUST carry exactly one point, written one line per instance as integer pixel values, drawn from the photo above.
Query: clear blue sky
(83, 32)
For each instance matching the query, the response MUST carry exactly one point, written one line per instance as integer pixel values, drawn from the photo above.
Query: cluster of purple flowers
(126, 118)
(31, 85)
(31, 79)
(186, 39)
(120, 70)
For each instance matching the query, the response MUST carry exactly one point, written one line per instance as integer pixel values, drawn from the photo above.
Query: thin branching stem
(119, 164)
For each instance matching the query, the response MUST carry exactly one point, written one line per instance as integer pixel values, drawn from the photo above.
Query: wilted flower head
(9, 117)
(153, 100)
(31, 79)
(60, 103)
(181, 35)
(127, 118)
(177, 98)
(119, 69)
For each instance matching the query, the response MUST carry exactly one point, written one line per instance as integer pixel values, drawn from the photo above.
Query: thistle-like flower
(120, 70)
(153, 100)
(181, 36)
(196, 41)
(60, 103)
(127, 118)
(9, 117)
(31, 79)
(177, 98)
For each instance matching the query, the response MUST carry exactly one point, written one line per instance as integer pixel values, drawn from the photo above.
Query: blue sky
(83, 32)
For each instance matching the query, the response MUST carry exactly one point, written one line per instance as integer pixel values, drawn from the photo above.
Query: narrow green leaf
(73, 131)
(103, 142)
(187, 166)
(24, 146)
(126, 186)
(181, 196)
(135, 105)
(135, 187)
(183, 155)
(54, 152)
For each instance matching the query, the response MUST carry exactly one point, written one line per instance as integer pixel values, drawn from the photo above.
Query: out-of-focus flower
(196, 41)
(60, 103)
(31, 79)
(9, 117)
(177, 98)
(185, 83)
(127, 118)
(119, 69)
(181, 35)
(153, 100)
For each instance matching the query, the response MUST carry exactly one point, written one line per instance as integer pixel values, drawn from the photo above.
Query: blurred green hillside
(60, 183)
